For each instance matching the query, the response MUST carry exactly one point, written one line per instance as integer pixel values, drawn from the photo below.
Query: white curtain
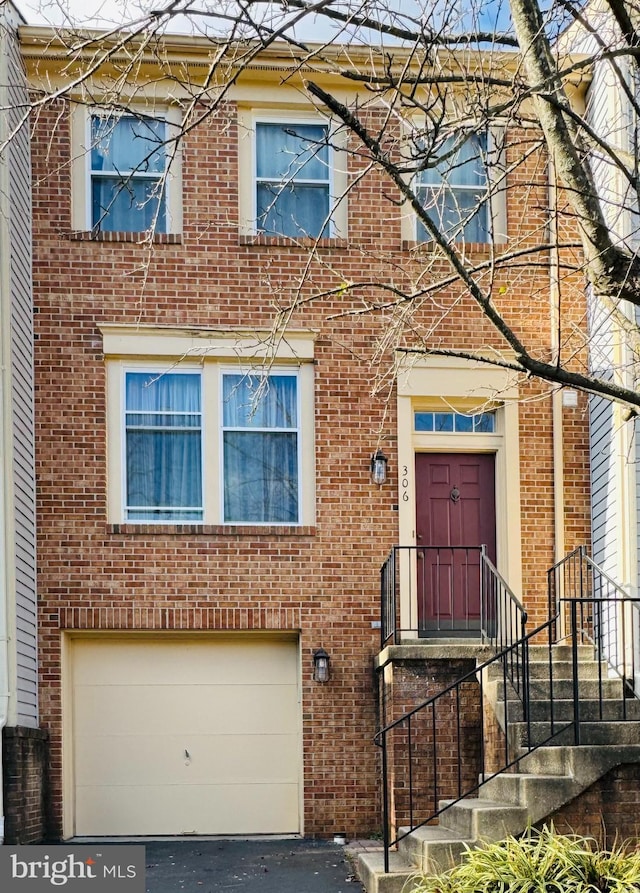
(164, 446)
(452, 192)
(289, 157)
(260, 444)
(127, 162)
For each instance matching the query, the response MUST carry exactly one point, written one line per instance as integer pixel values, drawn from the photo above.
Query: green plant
(540, 861)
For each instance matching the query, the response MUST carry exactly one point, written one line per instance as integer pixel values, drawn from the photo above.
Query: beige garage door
(186, 736)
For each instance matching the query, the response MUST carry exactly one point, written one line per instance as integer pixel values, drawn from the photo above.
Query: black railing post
(574, 660)
(483, 613)
(386, 836)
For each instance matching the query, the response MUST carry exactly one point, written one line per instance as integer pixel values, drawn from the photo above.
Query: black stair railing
(446, 590)
(430, 752)
(592, 609)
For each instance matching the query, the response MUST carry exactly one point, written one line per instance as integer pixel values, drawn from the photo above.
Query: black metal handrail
(586, 607)
(455, 576)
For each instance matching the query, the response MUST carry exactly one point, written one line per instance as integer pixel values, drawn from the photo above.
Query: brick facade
(25, 754)
(438, 745)
(323, 579)
(606, 811)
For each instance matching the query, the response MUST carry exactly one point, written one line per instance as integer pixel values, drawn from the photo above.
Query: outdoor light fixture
(379, 467)
(321, 661)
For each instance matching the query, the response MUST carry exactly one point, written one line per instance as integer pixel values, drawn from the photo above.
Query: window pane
(127, 144)
(260, 477)
(485, 422)
(162, 392)
(450, 207)
(163, 471)
(295, 211)
(443, 421)
(285, 151)
(129, 205)
(464, 167)
(245, 406)
(163, 446)
(464, 423)
(453, 191)
(423, 421)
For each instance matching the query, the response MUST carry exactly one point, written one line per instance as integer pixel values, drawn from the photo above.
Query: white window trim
(129, 348)
(337, 180)
(81, 172)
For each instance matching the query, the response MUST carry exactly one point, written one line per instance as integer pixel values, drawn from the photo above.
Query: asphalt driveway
(260, 865)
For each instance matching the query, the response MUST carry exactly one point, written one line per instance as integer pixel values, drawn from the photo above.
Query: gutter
(556, 394)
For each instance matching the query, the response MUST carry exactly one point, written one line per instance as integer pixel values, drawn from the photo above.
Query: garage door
(186, 736)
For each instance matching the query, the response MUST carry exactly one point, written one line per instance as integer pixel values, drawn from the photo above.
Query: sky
(107, 13)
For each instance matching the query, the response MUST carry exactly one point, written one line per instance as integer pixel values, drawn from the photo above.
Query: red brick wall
(24, 774)
(608, 811)
(426, 752)
(321, 580)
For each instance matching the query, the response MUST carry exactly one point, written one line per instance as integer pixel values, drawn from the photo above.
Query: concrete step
(592, 710)
(400, 879)
(433, 848)
(563, 688)
(596, 733)
(483, 819)
(560, 652)
(542, 794)
(562, 669)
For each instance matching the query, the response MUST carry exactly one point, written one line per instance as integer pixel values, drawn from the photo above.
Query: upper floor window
(454, 192)
(293, 182)
(128, 173)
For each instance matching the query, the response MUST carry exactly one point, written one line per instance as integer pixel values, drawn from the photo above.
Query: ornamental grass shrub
(541, 861)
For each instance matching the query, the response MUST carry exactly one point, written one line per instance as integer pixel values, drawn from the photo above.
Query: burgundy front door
(455, 495)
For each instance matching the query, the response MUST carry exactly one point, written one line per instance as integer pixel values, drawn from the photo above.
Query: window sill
(290, 242)
(484, 248)
(188, 529)
(136, 238)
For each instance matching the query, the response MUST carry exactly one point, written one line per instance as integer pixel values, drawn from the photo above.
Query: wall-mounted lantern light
(321, 668)
(379, 467)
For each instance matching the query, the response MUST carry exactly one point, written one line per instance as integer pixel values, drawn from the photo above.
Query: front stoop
(547, 779)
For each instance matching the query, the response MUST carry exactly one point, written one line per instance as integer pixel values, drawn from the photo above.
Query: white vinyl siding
(17, 312)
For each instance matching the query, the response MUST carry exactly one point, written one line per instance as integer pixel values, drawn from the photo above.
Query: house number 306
(404, 484)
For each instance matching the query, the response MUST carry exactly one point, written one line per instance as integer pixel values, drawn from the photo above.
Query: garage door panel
(197, 709)
(208, 809)
(149, 760)
(233, 704)
(262, 661)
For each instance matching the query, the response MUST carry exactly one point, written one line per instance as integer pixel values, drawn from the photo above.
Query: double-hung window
(210, 443)
(454, 191)
(292, 179)
(163, 446)
(128, 173)
(260, 448)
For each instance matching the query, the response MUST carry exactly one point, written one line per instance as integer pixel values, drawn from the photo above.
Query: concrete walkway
(258, 865)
